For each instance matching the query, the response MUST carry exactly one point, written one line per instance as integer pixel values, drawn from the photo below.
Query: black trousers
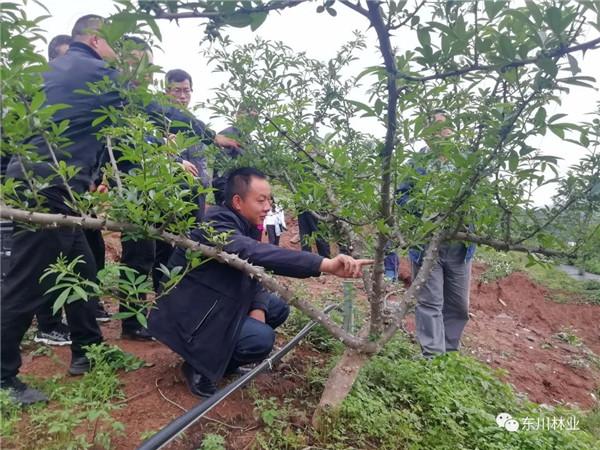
(307, 223)
(45, 319)
(273, 238)
(23, 293)
(164, 250)
(138, 255)
(96, 243)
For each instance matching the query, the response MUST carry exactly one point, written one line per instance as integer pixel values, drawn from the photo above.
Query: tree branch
(409, 17)
(46, 220)
(385, 210)
(557, 52)
(160, 13)
(507, 246)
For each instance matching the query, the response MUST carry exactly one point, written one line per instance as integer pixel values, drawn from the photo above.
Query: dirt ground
(513, 326)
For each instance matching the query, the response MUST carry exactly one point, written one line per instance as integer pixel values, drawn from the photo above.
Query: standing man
(442, 309)
(34, 251)
(218, 318)
(51, 329)
(307, 225)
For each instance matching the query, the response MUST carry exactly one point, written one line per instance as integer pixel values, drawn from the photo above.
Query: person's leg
(428, 312)
(22, 292)
(271, 234)
(276, 240)
(139, 255)
(81, 314)
(46, 321)
(254, 344)
(390, 266)
(304, 230)
(164, 250)
(457, 277)
(277, 311)
(95, 241)
(323, 248)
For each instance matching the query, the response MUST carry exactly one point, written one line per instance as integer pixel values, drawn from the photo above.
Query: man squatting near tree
(218, 317)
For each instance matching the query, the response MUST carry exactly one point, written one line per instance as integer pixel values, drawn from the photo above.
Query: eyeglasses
(179, 91)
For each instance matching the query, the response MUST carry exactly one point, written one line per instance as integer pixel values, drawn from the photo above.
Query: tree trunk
(340, 382)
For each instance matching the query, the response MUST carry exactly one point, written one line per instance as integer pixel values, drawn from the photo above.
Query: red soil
(513, 327)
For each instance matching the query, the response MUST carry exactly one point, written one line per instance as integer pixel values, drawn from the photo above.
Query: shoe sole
(51, 342)
(77, 373)
(103, 319)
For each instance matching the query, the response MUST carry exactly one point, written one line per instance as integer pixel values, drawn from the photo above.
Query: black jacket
(68, 76)
(200, 318)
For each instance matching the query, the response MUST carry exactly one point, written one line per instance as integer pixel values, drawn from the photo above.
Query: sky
(320, 36)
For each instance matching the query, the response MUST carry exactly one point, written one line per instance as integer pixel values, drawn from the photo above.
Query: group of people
(217, 318)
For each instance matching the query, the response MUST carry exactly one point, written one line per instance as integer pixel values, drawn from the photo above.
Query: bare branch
(46, 220)
(507, 246)
(409, 17)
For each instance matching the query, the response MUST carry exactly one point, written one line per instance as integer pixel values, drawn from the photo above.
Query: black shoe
(79, 365)
(197, 383)
(241, 370)
(139, 334)
(54, 337)
(22, 394)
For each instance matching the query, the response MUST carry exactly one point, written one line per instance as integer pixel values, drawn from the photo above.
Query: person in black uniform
(218, 318)
(33, 251)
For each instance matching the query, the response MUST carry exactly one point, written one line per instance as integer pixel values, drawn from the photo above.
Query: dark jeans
(307, 224)
(256, 339)
(138, 255)
(23, 293)
(273, 238)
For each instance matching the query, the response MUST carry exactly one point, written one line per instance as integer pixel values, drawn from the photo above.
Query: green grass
(450, 402)
(79, 413)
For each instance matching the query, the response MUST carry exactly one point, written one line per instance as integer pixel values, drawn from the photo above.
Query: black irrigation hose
(168, 433)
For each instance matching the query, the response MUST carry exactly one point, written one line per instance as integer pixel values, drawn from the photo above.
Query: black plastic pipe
(177, 426)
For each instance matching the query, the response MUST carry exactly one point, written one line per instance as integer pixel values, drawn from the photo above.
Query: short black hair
(177, 76)
(55, 43)
(238, 182)
(85, 24)
(138, 41)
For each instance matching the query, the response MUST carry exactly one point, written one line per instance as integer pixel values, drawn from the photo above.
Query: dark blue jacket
(201, 317)
(67, 82)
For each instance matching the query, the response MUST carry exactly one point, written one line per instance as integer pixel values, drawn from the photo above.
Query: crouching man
(218, 318)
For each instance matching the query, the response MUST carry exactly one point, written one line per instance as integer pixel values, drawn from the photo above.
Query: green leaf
(540, 117)
(141, 319)
(553, 18)
(61, 300)
(424, 36)
(492, 8)
(573, 64)
(98, 120)
(258, 19)
(82, 294)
